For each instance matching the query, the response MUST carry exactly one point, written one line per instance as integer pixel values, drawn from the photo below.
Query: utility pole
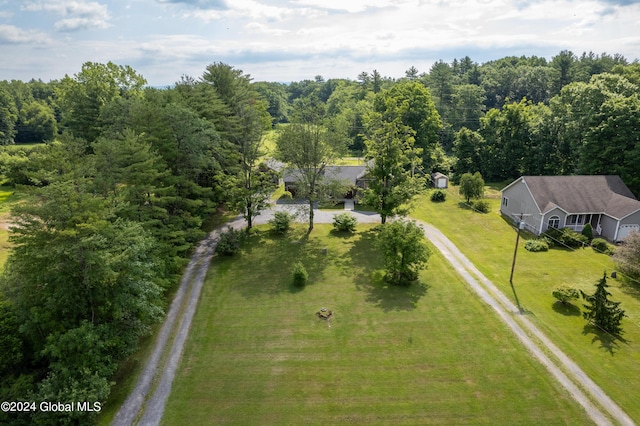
(515, 251)
(521, 225)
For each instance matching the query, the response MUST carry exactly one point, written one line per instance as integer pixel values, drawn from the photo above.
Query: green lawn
(488, 241)
(8, 198)
(428, 354)
(350, 161)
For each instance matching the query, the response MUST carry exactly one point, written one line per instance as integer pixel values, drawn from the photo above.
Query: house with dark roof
(571, 202)
(353, 177)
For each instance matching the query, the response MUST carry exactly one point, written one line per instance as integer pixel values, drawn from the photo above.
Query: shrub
(229, 242)
(286, 195)
(281, 222)
(536, 245)
(481, 206)
(602, 246)
(565, 237)
(438, 196)
(300, 275)
(587, 231)
(345, 222)
(565, 294)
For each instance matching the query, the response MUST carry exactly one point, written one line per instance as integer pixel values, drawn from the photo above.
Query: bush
(481, 206)
(602, 246)
(536, 245)
(565, 294)
(345, 222)
(565, 237)
(281, 222)
(286, 195)
(587, 231)
(229, 242)
(300, 275)
(438, 196)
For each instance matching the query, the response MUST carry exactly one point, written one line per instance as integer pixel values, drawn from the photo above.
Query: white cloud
(10, 34)
(352, 6)
(76, 14)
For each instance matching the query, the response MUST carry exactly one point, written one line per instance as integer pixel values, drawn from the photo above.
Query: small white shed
(439, 180)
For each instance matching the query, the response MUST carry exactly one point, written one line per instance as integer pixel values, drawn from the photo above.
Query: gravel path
(570, 376)
(138, 409)
(142, 407)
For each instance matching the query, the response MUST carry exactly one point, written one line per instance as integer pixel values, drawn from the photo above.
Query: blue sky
(291, 40)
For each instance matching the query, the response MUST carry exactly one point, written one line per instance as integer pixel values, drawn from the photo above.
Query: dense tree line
(116, 202)
(119, 191)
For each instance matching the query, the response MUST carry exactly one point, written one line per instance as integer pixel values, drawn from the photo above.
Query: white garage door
(625, 230)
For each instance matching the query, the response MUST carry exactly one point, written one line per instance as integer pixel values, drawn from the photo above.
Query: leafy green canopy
(405, 251)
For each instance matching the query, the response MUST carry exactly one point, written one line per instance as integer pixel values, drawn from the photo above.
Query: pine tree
(604, 313)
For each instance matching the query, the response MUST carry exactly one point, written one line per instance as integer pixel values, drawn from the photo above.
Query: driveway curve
(145, 405)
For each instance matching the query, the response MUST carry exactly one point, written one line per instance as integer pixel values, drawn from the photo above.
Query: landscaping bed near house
(488, 241)
(431, 353)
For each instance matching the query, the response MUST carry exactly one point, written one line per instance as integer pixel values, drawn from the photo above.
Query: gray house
(571, 202)
(354, 178)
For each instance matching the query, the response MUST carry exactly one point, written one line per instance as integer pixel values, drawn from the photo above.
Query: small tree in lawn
(604, 313)
(300, 275)
(405, 251)
(565, 294)
(471, 186)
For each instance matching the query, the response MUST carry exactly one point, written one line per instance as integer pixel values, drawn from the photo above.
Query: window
(554, 222)
(505, 201)
(576, 219)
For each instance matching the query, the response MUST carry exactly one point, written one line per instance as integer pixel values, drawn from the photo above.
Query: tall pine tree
(601, 311)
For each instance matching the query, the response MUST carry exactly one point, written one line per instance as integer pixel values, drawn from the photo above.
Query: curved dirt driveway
(137, 409)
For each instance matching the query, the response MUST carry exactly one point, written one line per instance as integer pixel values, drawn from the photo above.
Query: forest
(120, 179)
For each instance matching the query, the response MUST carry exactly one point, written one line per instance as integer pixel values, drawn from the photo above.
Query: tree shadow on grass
(390, 297)
(266, 262)
(464, 205)
(566, 309)
(631, 288)
(607, 340)
(341, 234)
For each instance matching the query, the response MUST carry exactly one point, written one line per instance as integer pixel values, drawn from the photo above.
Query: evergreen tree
(604, 313)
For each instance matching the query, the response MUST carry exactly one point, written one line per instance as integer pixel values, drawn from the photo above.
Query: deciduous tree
(405, 251)
(393, 158)
(627, 256)
(471, 186)
(307, 147)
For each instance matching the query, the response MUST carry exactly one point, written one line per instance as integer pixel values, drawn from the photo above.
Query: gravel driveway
(143, 408)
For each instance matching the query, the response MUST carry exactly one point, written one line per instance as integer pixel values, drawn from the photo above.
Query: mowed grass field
(428, 354)
(488, 241)
(8, 198)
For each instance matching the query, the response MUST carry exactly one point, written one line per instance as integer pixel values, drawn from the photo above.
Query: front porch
(578, 221)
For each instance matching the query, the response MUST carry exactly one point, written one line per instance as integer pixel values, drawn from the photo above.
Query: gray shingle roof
(583, 194)
(348, 174)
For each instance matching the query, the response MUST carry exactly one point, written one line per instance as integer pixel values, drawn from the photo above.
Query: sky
(293, 40)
